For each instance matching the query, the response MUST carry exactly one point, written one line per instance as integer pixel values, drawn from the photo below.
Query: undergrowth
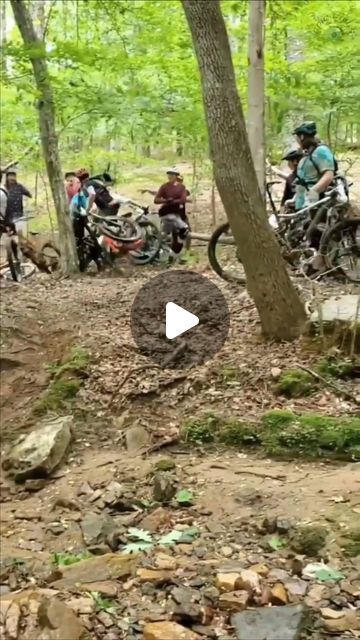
(66, 379)
(282, 434)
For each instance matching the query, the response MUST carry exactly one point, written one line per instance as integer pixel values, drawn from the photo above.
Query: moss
(202, 429)
(236, 433)
(57, 396)
(67, 378)
(339, 368)
(295, 383)
(229, 375)
(165, 464)
(278, 418)
(308, 540)
(351, 543)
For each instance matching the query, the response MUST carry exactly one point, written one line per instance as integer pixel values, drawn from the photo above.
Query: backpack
(102, 194)
(322, 144)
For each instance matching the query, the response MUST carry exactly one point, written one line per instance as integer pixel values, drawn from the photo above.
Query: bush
(295, 383)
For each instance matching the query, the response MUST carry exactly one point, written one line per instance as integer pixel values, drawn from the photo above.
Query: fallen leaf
(184, 497)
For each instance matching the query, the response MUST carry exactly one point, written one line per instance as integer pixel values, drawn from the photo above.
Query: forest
(180, 319)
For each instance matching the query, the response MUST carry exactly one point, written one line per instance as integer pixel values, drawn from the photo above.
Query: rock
(234, 601)
(136, 438)
(11, 620)
(296, 589)
(331, 614)
(203, 630)
(269, 525)
(113, 492)
(284, 525)
(168, 631)
(165, 464)
(279, 594)
(227, 581)
(33, 484)
(270, 623)
(164, 488)
(275, 373)
(106, 619)
(183, 595)
(308, 540)
(96, 527)
(250, 581)
(352, 589)
(164, 561)
(155, 520)
(39, 452)
(83, 605)
(110, 566)
(349, 621)
(57, 621)
(106, 588)
(154, 577)
(338, 309)
(278, 575)
(261, 569)
(212, 594)
(188, 613)
(226, 552)
(316, 594)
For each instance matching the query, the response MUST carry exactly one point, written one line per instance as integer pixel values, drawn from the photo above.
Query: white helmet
(174, 171)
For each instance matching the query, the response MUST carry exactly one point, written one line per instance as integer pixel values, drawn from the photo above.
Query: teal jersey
(311, 168)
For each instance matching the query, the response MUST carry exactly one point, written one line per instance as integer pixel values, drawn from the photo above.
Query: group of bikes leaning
(316, 232)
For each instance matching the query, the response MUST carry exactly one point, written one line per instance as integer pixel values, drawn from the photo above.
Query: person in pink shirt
(72, 185)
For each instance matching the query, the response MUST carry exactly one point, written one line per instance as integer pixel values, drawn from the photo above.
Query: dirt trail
(235, 491)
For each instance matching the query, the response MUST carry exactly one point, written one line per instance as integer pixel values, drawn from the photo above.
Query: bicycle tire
(147, 254)
(213, 259)
(333, 232)
(13, 263)
(120, 222)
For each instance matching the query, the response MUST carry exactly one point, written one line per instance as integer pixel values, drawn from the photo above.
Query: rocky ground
(119, 526)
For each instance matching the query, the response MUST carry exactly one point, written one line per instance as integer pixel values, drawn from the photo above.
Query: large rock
(57, 621)
(96, 528)
(270, 623)
(338, 309)
(110, 566)
(38, 453)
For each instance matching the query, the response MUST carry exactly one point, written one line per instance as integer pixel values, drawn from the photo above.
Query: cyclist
(293, 158)
(172, 198)
(317, 168)
(72, 185)
(15, 205)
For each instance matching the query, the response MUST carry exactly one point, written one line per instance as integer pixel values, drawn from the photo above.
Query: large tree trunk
(256, 89)
(281, 311)
(48, 135)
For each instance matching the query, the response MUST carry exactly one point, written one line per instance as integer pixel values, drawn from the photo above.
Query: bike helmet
(82, 174)
(173, 171)
(295, 154)
(306, 129)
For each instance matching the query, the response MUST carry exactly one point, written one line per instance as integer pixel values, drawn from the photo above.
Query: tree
(46, 108)
(256, 89)
(281, 312)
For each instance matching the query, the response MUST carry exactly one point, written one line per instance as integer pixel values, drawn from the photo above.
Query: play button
(179, 319)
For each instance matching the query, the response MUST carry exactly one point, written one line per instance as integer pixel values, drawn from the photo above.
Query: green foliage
(295, 383)
(65, 559)
(103, 604)
(308, 540)
(351, 543)
(339, 368)
(201, 430)
(67, 378)
(282, 433)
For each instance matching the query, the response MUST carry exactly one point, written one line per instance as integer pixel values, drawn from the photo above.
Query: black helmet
(306, 129)
(295, 154)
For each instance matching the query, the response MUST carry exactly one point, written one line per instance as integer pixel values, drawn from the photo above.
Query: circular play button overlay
(179, 319)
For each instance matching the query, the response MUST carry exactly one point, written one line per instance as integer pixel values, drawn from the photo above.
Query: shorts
(172, 223)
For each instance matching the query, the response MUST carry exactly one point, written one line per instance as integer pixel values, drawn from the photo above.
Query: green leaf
(171, 538)
(184, 497)
(139, 534)
(328, 575)
(276, 543)
(135, 547)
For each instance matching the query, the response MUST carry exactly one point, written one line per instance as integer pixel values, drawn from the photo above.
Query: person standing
(172, 198)
(293, 158)
(15, 204)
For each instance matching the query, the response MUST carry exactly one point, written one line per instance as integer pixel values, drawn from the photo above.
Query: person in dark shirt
(172, 198)
(16, 191)
(293, 158)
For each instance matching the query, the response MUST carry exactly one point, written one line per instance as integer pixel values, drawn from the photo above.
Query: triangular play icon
(178, 320)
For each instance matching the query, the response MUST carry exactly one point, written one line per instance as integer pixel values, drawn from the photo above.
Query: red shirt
(174, 191)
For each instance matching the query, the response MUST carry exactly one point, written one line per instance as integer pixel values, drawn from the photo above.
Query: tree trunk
(48, 135)
(37, 13)
(256, 89)
(281, 312)
(3, 26)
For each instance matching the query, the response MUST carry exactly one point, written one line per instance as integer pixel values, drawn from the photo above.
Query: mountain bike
(16, 249)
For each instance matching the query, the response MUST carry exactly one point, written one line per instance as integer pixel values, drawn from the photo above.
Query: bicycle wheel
(121, 229)
(152, 243)
(224, 256)
(12, 257)
(340, 246)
